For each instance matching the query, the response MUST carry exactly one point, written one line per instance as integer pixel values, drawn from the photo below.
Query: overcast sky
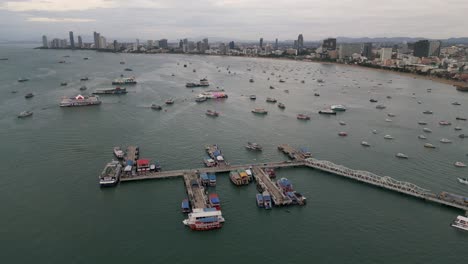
(236, 19)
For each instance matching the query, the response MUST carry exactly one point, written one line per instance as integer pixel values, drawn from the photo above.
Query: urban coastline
(424, 59)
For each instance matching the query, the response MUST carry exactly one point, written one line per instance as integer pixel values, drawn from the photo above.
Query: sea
(53, 211)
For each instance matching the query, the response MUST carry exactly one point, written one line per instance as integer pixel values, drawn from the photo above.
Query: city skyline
(240, 20)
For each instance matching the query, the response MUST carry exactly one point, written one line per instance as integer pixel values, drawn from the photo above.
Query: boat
(211, 113)
(128, 69)
(460, 118)
(342, 134)
(29, 95)
(169, 101)
(260, 111)
(259, 198)
(212, 179)
(80, 100)
(342, 123)
(429, 145)
(422, 137)
(401, 156)
(156, 107)
(202, 219)
(391, 114)
(338, 108)
(428, 112)
(84, 79)
(23, 79)
(122, 62)
(373, 100)
(316, 94)
(251, 80)
(110, 176)
(83, 88)
(271, 87)
(235, 178)
(388, 137)
(253, 97)
(459, 164)
(203, 83)
(245, 179)
(427, 130)
(267, 204)
(185, 206)
(462, 136)
(388, 120)
(380, 106)
(327, 112)
(3, 59)
(25, 114)
(116, 90)
(282, 81)
(461, 222)
(445, 123)
(215, 153)
(422, 123)
(286, 91)
(374, 131)
(200, 98)
(303, 117)
(85, 58)
(253, 146)
(281, 106)
(205, 181)
(456, 103)
(209, 162)
(124, 81)
(271, 172)
(214, 201)
(271, 100)
(445, 140)
(365, 144)
(458, 128)
(119, 153)
(285, 185)
(63, 83)
(463, 180)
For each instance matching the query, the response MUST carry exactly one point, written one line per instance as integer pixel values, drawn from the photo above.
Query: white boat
(422, 137)
(342, 123)
(463, 180)
(388, 120)
(338, 108)
(401, 156)
(445, 140)
(365, 144)
(461, 222)
(118, 152)
(427, 130)
(374, 131)
(459, 164)
(204, 219)
(388, 137)
(25, 114)
(111, 174)
(429, 145)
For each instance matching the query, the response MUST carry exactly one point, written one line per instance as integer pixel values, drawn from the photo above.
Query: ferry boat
(260, 111)
(80, 100)
(185, 206)
(253, 97)
(461, 222)
(202, 219)
(25, 114)
(212, 179)
(119, 153)
(124, 81)
(214, 201)
(271, 100)
(303, 117)
(337, 108)
(29, 95)
(327, 112)
(235, 178)
(253, 146)
(116, 90)
(281, 106)
(110, 176)
(211, 113)
(156, 107)
(259, 198)
(267, 200)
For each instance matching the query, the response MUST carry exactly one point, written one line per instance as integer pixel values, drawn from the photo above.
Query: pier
(195, 190)
(267, 185)
(291, 152)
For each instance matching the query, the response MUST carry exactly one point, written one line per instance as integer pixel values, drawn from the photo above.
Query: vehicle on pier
(110, 176)
(214, 201)
(267, 200)
(461, 222)
(259, 198)
(202, 219)
(119, 153)
(185, 206)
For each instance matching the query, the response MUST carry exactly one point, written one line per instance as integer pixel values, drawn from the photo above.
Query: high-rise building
(185, 45)
(163, 43)
(232, 45)
(97, 39)
(421, 48)
(261, 43)
(222, 49)
(385, 54)
(329, 44)
(276, 44)
(116, 46)
(80, 42)
(206, 44)
(347, 50)
(300, 42)
(181, 44)
(72, 40)
(150, 44)
(44, 42)
(367, 50)
(102, 43)
(295, 44)
(434, 48)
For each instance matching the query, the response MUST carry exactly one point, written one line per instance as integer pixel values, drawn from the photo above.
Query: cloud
(58, 20)
(56, 5)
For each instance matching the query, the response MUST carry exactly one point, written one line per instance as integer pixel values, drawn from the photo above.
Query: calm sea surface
(53, 211)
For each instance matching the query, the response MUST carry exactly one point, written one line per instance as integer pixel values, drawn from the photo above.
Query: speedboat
(342, 134)
(444, 123)
(427, 130)
(25, 114)
(459, 164)
(401, 156)
(461, 222)
(445, 140)
(374, 131)
(422, 137)
(429, 145)
(303, 117)
(463, 180)
(456, 103)
(29, 95)
(388, 137)
(169, 101)
(23, 79)
(156, 107)
(422, 123)
(388, 120)
(337, 108)
(260, 111)
(281, 106)
(373, 100)
(391, 114)
(342, 123)
(428, 112)
(253, 97)
(458, 128)
(118, 152)
(380, 106)
(365, 144)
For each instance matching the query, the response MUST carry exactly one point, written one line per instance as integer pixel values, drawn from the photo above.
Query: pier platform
(291, 152)
(265, 182)
(195, 190)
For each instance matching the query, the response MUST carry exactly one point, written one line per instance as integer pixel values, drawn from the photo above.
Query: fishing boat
(365, 144)
(445, 123)
(463, 180)
(459, 164)
(422, 123)
(29, 95)
(327, 112)
(202, 219)
(445, 140)
(209, 162)
(260, 111)
(428, 112)
(271, 100)
(429, 145)
(427, 130)
(156, 107)
(342, 134)
(80, 100)
(460, 118)
(116, 90)
(338, 108)
(185, 206)
(303, 117)
(84, 79)
(119, 153)
(460, 222)
(235, 178)
(25, 114)
(456, 103)
(401, 156)
(110, 176)
(267, 203)
(63, 84)
(124, 81)
(259, 198)
(281, 106)
(128, 69)
(245, 179)
(388, 137)
(169, 101)
(211, 113)
(422, 137)
(214, 201)
(253, 146)
(253, 97)
(23, 79)
(373, 100)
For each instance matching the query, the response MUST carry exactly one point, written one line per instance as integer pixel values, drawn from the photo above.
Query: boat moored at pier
(202, 219)
(110, 176)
